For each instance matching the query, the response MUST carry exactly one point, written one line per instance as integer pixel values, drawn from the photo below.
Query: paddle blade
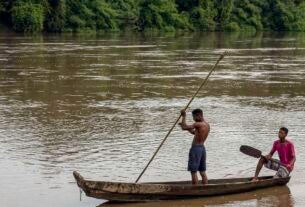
(250, 151)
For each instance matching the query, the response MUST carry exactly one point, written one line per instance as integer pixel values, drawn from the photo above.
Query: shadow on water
(277, 196)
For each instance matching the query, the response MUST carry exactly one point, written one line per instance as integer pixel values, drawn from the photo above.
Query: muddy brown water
(101, 104)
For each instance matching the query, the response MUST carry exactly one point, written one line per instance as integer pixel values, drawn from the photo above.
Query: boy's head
(197, 115)
(283, 132)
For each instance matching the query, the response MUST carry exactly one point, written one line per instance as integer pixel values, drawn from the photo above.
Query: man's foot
(255, 179)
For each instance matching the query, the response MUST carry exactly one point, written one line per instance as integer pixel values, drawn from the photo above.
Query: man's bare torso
(201, 133)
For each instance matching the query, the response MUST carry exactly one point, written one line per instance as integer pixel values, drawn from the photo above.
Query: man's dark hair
(284, 129)
(197, 111)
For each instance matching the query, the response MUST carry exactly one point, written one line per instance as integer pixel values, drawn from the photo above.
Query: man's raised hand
(183, 113)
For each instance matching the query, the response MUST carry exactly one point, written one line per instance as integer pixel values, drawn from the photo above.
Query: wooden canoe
(140, 192)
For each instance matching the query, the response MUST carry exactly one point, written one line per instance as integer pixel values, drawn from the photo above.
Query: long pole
(190, 101)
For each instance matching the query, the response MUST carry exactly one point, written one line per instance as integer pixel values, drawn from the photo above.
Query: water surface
(101, 104)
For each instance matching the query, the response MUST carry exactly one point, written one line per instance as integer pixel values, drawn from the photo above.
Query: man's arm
(192, 131)
(269, 156)
(292, 161)
(184, 126)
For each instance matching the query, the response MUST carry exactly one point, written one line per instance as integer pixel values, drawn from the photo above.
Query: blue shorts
(197, 159)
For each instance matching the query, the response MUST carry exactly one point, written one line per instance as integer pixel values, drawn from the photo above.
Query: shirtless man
(197, 154)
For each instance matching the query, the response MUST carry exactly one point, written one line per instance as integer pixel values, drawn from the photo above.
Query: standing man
(285, 150)
(197, 155)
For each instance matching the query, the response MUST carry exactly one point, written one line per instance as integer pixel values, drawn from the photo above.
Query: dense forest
(152, 15)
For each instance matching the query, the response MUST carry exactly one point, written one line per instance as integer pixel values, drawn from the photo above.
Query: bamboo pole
(190, 101)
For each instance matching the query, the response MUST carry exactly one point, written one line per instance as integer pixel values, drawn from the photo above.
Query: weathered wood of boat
(132, 192)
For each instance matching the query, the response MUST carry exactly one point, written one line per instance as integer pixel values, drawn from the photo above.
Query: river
(101, 104)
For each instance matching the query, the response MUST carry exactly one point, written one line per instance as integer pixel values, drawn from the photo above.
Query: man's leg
(282, 172)
(258, 168)
(203, 167)
(193, 164)
(194, 178)
(204, 177)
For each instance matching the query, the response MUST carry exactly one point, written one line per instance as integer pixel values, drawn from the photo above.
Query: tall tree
(55, 16)
(224, 9)
(161, 14)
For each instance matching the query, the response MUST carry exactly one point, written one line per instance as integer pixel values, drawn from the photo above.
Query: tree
(224, 9)
(27, 17)
(203, 16)
(246, 15)
(127, 12)
(162, 15)
(55, 16)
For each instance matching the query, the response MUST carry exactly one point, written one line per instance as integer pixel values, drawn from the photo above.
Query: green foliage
(127, 12)
(104, 15)
(78, 15)
(203, 15)
(187, 5)
(247, 14)
(92, 14)
(299, 24)
(232, 27)
(159, 15)
(76, 22)
(55, 16)
(277, 14)
(27, 17)
(287, 15)
(224, 9)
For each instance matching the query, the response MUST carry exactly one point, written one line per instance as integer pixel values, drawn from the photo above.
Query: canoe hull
(143, 192)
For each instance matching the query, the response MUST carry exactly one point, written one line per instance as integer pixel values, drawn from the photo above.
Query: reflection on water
(278, 196)
(101, 104)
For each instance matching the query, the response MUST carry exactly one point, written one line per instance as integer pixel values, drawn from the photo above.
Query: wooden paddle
(190, 101)
(251, 151)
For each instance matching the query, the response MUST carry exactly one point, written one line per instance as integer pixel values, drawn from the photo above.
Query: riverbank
(140, 15)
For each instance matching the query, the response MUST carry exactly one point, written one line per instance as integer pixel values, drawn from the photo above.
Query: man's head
(283, 133)
(197, 115)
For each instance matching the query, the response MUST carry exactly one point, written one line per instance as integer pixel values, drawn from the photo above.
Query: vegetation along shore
(152, 15)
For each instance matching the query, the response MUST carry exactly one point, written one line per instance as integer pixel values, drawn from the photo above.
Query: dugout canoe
(143, 192)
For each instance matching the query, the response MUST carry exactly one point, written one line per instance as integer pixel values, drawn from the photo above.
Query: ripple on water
(102, 107)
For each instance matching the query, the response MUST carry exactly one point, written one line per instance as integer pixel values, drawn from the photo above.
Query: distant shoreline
(4, 28)
(46, 16)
